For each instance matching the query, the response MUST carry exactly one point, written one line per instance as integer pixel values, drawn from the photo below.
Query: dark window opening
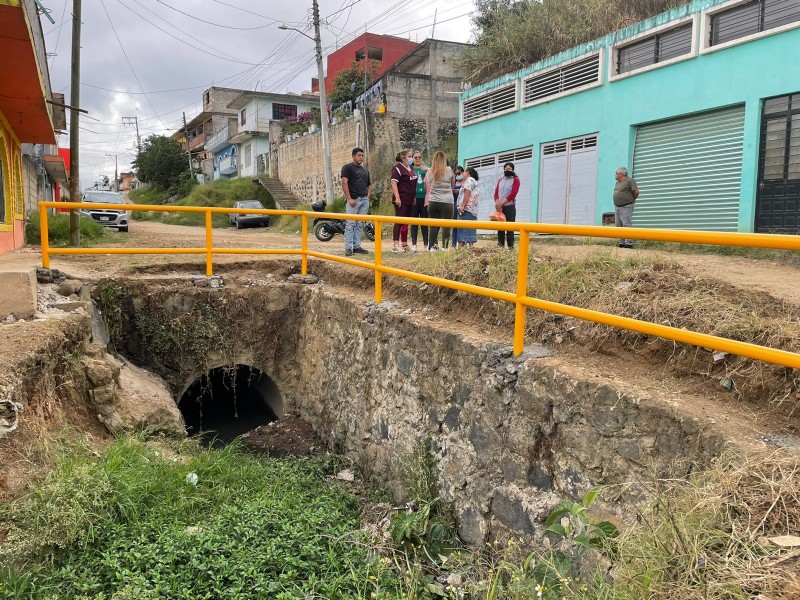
(751, 18)
(244, 116)
(207, 98)
(658, 48)
(372, 54)
(281, 112)
(227, 402)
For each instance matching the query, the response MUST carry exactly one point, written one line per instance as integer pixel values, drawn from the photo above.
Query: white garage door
(568, 185)
(490, 169)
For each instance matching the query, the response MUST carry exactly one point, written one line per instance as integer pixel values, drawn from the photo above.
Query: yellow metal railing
(519, 298)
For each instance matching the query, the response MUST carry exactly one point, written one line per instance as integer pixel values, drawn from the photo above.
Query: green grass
(126, 524)
(58, 230)
(221, 193)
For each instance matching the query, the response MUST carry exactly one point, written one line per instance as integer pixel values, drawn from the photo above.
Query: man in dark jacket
(625, 194)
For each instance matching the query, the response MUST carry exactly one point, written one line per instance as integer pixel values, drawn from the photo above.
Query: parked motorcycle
(325, 228)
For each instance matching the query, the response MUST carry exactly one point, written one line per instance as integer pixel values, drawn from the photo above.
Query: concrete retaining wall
(300, 162)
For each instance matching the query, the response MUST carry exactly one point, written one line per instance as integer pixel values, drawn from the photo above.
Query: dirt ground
(290, 436)
(780, 280)
(699, 396)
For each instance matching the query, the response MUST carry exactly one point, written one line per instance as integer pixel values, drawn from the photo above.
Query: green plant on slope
(128, 524)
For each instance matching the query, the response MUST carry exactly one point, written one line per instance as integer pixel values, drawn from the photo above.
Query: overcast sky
(153, 58)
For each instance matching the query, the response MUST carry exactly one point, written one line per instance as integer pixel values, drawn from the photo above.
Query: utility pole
(323, 110)
(188, 150)
(323, 102)
(135, 121)
(74, 123)
(116, 172)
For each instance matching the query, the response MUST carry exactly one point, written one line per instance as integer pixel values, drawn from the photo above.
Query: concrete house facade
(258, 118)
(382, 51)
(701, 103)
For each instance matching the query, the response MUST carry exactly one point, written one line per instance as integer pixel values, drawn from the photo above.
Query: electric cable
(207, 50)
(211, 22)
(125, 54)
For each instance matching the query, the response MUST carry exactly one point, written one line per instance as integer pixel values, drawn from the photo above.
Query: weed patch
(58, 230)
(656, 290)
(132, 523)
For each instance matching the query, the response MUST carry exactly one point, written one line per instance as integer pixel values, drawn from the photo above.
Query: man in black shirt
(356, 187)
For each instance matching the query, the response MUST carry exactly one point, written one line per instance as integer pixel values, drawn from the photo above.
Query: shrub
(58, 230)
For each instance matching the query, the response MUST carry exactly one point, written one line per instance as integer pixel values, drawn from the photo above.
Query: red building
(385, 50)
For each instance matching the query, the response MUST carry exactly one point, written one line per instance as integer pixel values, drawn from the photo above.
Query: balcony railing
(197, 141)
(221, 138)
(228, 165)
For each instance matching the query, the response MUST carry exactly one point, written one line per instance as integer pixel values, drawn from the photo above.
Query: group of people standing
(443, 192)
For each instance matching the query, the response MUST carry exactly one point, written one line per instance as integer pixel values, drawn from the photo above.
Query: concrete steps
(283, 197)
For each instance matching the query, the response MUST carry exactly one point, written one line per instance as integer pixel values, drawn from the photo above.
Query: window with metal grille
(283, 111)
(576, 75)
(556, 148)
(486, 161)
(495, 102)
(248, 155)
(516, 155)
(586, 142)
(655, 49)
(751, 18)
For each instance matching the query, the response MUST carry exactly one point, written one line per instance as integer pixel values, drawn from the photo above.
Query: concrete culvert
(229, 401)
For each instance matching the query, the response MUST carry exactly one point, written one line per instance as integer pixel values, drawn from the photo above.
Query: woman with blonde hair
(439, 197)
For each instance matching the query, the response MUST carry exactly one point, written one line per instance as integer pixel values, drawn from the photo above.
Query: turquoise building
(701, 104)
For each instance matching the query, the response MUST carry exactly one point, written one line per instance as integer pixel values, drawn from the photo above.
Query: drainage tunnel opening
(229, 401)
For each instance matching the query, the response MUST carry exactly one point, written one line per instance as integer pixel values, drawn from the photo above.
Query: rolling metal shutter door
(689, 171)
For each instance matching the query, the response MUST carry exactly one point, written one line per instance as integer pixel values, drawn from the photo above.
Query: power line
(58, 37)
(206, 50)
(125, 54)
(250, 12)
(215, 24)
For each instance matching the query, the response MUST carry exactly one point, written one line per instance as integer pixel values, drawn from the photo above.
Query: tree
(512, 35)
(160, 161)
(349, 83)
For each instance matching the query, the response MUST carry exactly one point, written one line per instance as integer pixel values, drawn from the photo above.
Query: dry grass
(708, 538)
(657, 290)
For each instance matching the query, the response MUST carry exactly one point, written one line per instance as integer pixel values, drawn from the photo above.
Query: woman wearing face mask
(439, 183)
(505, 199)
(420, 210)
(458, 179)
(468, 207)
(404, 188)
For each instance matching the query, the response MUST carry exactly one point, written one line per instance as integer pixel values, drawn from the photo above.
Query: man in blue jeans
(356, 187)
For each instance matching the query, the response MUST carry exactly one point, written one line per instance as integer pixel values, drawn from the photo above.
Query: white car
(106, 217)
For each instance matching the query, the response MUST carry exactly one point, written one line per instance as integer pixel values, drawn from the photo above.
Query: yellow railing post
(304, 246)
(522, 291)
(44, 234)
(378, 259)
(209, 246)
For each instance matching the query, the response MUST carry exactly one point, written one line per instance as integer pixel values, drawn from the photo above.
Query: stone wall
(509, 437)
(300, 165)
